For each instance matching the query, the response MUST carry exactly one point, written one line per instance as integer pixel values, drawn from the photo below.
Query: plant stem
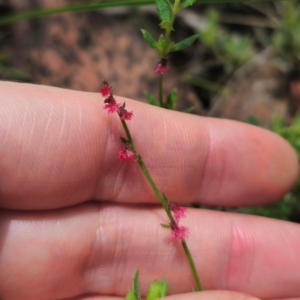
(192, 264)
(164, 52)
(163, 203)
(160, 90)
(174, 12)
(39, 13)
(147, 174)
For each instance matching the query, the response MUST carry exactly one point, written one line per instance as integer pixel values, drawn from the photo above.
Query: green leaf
(166, 199)
(157, 290)
(171, 100)
(160, 44)
(170, 46)
(163, 10)
(149, 38)
(163, 287)
(165, 226)
(252, 120)
(277, 124)
(154, 291)
(166, 25)
(185, 43)
(124, 141)
(130, 295)
(187, 3)
(151, 99)
(12, 73)
(296, 121)
(161, 39)
(136, 287)
(134, 293)
(189, 109)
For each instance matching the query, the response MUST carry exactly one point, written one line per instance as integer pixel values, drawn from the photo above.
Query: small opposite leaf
(252, 120)
(136, 287)
(130, 295)
(185, 43)
(148, 38)
(159, 45)
(170, 46)
(123, 140)
(161, 39)
(151, 99)
(187, 3)
(171, 100)
(158, 289)
(166, 199)
(277, 124)
(163, 287)
(163, 10)
(296, 121)
(165, 226)
(166, 25)
(154, 291)
(189, 110)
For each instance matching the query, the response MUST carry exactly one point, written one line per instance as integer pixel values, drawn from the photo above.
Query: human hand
(76, 222)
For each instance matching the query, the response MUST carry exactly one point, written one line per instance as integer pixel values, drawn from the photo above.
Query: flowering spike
(179, 232)
(124, 114)
(111, 105)
(178, 211)
(162, 68)
(126, 155)
(106, 90)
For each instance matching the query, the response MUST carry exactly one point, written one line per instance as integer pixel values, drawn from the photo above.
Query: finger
(95, 249)
(205, 295)
(60, 148)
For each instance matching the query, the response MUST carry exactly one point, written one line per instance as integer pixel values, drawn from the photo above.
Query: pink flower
(162, 68)
(125, 115)
(106, 90)
(179, 232)
(126, 155)
(178, 211)
(111, 105)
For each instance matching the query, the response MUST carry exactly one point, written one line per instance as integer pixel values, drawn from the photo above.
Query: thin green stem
(192, 264)
(38, 13)
(163, 203)
(164, 52)
(160, 90)
(174, 12)
(147, 174)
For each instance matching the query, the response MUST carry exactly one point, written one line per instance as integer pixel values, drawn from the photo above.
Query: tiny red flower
(162, 68)
(125, 115)
(126, 155)
(106, 90)
(111, 105)
(178, 211)
(179, 232)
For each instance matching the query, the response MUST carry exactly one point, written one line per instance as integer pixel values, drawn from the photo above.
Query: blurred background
(244, 66)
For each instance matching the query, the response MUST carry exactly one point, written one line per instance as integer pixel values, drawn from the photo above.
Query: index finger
(59, 148)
